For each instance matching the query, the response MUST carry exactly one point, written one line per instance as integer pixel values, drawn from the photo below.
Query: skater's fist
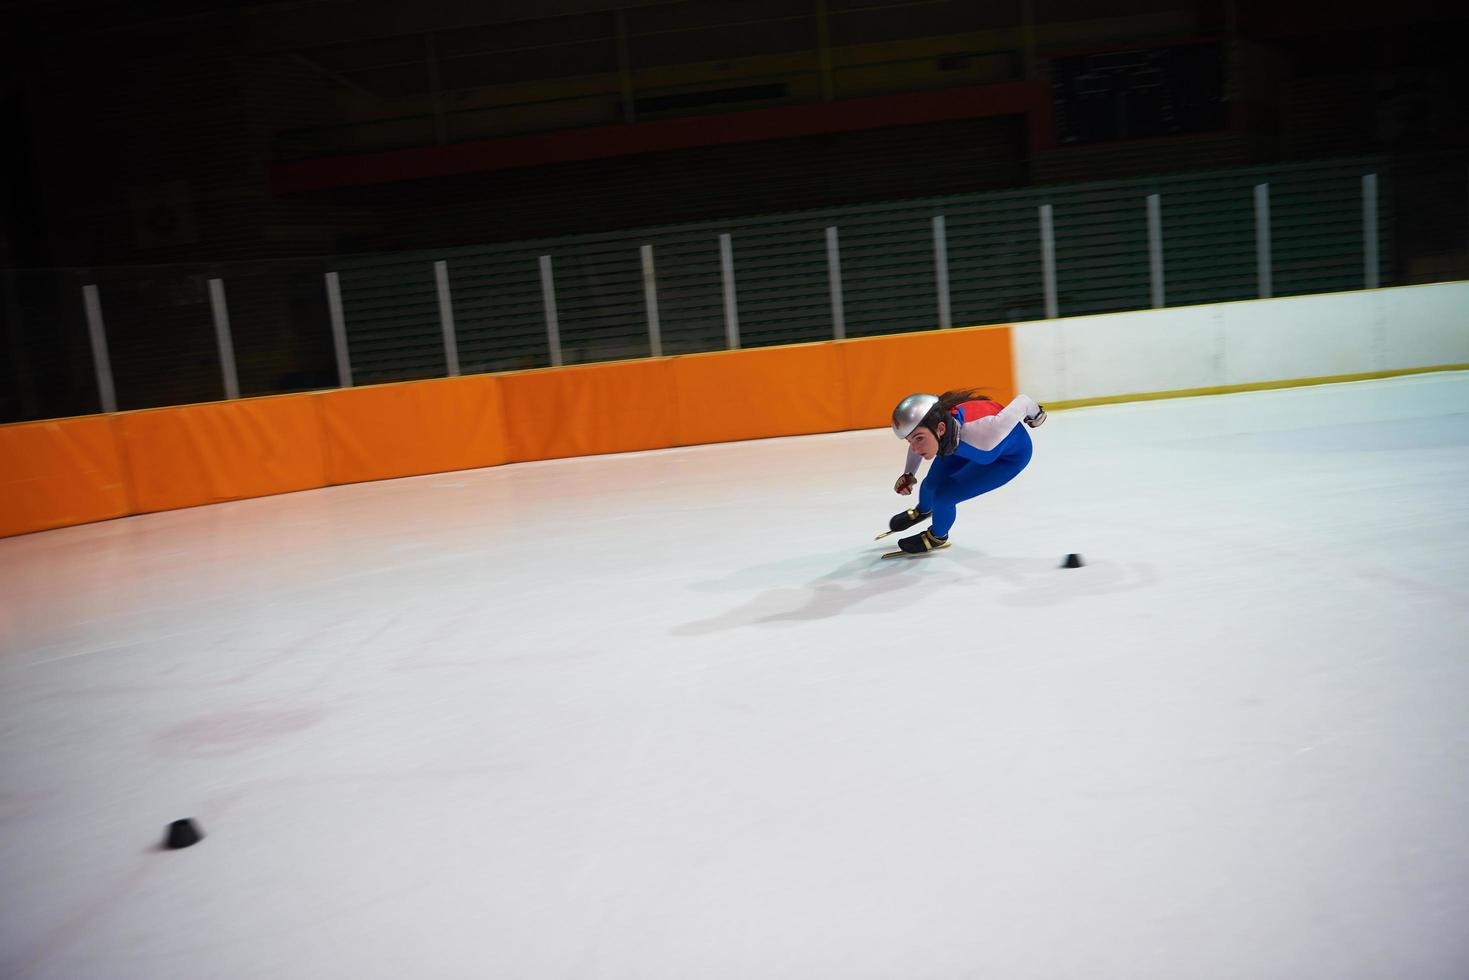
(905, 484)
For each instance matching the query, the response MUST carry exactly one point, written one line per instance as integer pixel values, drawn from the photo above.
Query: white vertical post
(548, 297)
(1155, 248)
(446, 317)
(941, 270)
(1048, 262)
(834, 279)
(339, 329)
(222, 335)
(731, 308)
(1262, 240)
(650, 299)
(100, 359)
(1369, 230)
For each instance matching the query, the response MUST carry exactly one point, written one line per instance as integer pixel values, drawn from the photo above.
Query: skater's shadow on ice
(885, 586)
(1043, 582)
(828, 595)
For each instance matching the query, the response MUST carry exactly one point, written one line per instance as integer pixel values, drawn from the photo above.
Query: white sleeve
(988, 432)
(912, 463)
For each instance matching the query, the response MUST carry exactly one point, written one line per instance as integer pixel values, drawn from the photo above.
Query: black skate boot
(903, 521)
(918, 544)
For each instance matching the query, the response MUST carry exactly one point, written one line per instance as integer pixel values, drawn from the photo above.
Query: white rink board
(667, 715)
(1213, 346)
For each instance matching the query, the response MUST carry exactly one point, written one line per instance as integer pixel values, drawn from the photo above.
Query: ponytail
(949, 401)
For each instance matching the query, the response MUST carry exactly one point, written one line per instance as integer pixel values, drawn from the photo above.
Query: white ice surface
(666, 715)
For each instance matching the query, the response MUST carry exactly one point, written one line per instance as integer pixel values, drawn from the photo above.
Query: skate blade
(917, 554)
(883, 535)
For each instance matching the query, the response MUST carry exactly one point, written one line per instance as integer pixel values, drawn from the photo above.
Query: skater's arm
(988, 432)
(909, 479)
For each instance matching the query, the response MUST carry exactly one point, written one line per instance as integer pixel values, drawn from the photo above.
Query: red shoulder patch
(980, 409)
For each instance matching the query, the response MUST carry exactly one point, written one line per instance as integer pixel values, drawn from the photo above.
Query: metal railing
(114, 339)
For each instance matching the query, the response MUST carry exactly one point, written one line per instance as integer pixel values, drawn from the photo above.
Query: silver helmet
(910, 412)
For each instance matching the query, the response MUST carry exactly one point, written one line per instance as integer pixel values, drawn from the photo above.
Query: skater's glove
(1035, 420)
(905, 484)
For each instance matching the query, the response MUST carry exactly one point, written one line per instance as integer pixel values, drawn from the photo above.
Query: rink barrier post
(446, 318)
(339, 329)
(1048, 262)
(731, 305)
(548, 301)
(101, 360)
(1155, 249)
(1262, 241)
(834, 280)
(223, 340)
(1369, 232)
(650, 301)
(941, 271)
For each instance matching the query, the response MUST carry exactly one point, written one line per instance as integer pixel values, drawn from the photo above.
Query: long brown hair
(949, 401)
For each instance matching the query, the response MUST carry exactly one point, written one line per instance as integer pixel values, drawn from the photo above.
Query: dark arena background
(447, 451)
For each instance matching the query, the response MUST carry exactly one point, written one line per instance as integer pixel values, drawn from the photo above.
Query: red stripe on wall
(1031, 99)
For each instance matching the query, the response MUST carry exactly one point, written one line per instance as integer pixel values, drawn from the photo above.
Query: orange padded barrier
(882, 370)
(767, 391)
(414, 427)
(77, 470)
(589, 409)
(204, 454)
(53, 474)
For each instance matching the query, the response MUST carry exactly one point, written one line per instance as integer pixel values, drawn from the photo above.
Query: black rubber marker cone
(182, 833)
(1072, 561)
